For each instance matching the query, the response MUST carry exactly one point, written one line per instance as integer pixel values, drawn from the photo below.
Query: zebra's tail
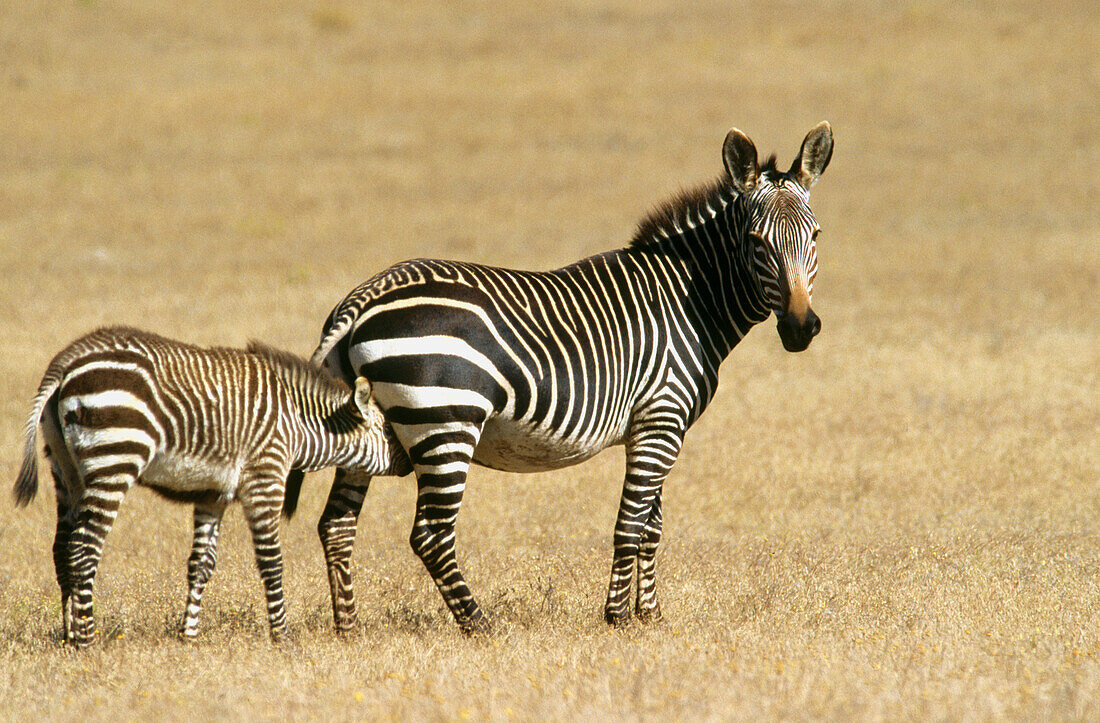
(293, 491)
(337, 327)
(26, 484)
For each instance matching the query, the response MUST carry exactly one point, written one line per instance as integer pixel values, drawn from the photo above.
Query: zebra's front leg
(651, 452)
(336, 528)
(262, 497)
(200, 566)
(647, 608)
(634, 509)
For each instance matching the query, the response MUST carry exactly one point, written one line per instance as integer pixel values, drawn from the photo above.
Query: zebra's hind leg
(200, 566)
(442, 461)
(262, 496)
(336, 528)
(647, 608)
(61, 556)
(66, 489)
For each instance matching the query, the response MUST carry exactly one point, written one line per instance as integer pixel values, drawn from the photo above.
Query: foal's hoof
(80, 643)
(82, 635)
(476, 626)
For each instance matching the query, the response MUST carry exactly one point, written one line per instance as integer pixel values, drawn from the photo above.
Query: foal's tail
(26, 484)
(293, 491)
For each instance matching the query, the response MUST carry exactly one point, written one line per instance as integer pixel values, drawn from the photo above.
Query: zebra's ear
(739, 154)
(814, 156)
(362, 396)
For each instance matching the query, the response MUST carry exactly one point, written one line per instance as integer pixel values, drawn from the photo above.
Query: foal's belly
(189, 476)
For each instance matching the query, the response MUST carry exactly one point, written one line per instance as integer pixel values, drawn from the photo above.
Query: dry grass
(902, 522)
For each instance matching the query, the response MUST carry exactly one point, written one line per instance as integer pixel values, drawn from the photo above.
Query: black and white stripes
(206, 426)
(528, 371)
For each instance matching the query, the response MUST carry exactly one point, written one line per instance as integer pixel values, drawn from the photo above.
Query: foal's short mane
(668, 215)
(297, 370)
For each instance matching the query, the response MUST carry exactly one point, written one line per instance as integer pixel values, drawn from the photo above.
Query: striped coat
(534, 370)
(120, 407)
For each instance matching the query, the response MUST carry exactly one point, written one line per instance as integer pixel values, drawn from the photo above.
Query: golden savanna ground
(901, 522)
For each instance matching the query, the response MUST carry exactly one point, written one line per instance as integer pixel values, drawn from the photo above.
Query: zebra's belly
(511, 447)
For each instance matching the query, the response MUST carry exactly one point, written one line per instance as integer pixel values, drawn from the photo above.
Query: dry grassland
(901, 522)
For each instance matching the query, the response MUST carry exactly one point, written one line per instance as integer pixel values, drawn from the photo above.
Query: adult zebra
(526, 371)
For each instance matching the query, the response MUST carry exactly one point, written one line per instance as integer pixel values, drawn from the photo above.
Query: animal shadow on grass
(529, 606)
(399, 616)
(219, 624)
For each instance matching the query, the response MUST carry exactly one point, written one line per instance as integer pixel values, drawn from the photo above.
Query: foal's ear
(816, 151)
(362, 397)
(739, 155)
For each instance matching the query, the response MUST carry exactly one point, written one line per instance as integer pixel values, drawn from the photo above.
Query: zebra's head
(780, 228)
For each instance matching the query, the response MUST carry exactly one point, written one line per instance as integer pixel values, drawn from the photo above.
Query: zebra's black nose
(797, 335)
(813, 323)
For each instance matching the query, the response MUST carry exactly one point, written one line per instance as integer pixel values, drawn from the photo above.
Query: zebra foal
(535, 370)
(120, 407)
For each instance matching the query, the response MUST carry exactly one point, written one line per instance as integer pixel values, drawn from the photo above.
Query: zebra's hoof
(649, 616)
(347, 631)
(619, 620)
(82, 634)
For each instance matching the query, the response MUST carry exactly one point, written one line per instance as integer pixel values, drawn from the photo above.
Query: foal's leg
(200, 566)
(261, 493)
(95, 513)
(336, 529)
(66, 481)
(61, 554)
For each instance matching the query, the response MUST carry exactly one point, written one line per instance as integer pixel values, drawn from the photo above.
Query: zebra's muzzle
(797, 334)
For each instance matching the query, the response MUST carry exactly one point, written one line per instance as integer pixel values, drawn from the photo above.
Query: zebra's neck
(700, 242)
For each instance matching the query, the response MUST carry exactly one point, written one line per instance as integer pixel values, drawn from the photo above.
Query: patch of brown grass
(900, 522)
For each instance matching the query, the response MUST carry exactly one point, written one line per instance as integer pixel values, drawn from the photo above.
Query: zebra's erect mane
(664, 219)
(297, 370)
